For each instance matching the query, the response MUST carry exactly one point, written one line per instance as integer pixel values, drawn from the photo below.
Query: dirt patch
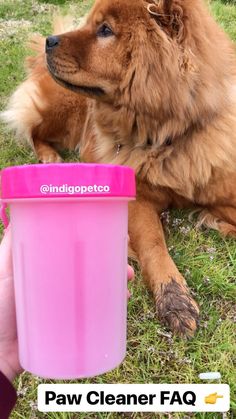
(9, 28)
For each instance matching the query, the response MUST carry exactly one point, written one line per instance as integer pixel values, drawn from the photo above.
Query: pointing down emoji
(212, 398)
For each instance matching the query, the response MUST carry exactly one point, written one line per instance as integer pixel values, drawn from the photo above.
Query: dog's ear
(169, 15)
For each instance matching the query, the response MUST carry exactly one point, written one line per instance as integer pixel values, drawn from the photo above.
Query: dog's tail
(24, 110)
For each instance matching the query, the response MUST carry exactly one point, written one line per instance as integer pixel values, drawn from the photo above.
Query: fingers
(6, 255)
(130, 273)
(8, 229)
(130, 269)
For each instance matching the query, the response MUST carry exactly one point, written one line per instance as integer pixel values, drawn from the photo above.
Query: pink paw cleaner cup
(69, 230)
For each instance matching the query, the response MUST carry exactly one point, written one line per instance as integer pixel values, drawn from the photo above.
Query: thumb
(6, 255)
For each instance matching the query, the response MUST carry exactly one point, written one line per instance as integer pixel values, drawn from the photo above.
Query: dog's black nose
(51, 42)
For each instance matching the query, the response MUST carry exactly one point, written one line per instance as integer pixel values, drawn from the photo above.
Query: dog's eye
(104, 31)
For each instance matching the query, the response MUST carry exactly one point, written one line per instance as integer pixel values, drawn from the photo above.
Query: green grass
(226, 15)
(207, 260)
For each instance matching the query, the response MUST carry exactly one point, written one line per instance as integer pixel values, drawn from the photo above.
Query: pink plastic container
(69, 227)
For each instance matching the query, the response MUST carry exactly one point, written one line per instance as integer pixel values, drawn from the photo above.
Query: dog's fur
(159, 94)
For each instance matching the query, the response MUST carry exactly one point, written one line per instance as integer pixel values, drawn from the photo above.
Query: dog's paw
(52, 157)
(176, 309)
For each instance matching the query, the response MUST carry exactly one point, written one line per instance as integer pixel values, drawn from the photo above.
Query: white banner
(133, 397)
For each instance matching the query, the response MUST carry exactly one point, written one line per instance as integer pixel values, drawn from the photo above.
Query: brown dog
(152, 85)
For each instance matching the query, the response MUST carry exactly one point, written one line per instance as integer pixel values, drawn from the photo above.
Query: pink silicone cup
(70, 267)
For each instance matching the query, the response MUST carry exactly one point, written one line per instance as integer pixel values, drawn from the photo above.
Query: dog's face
(122, 46)
(93, 59)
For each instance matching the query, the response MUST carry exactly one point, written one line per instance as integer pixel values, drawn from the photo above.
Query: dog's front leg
(175, 306)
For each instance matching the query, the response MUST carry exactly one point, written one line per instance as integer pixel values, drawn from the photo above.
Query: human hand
(130, 274)
(9, 359)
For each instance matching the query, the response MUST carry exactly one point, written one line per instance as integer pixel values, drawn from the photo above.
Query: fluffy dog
(152, 85)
